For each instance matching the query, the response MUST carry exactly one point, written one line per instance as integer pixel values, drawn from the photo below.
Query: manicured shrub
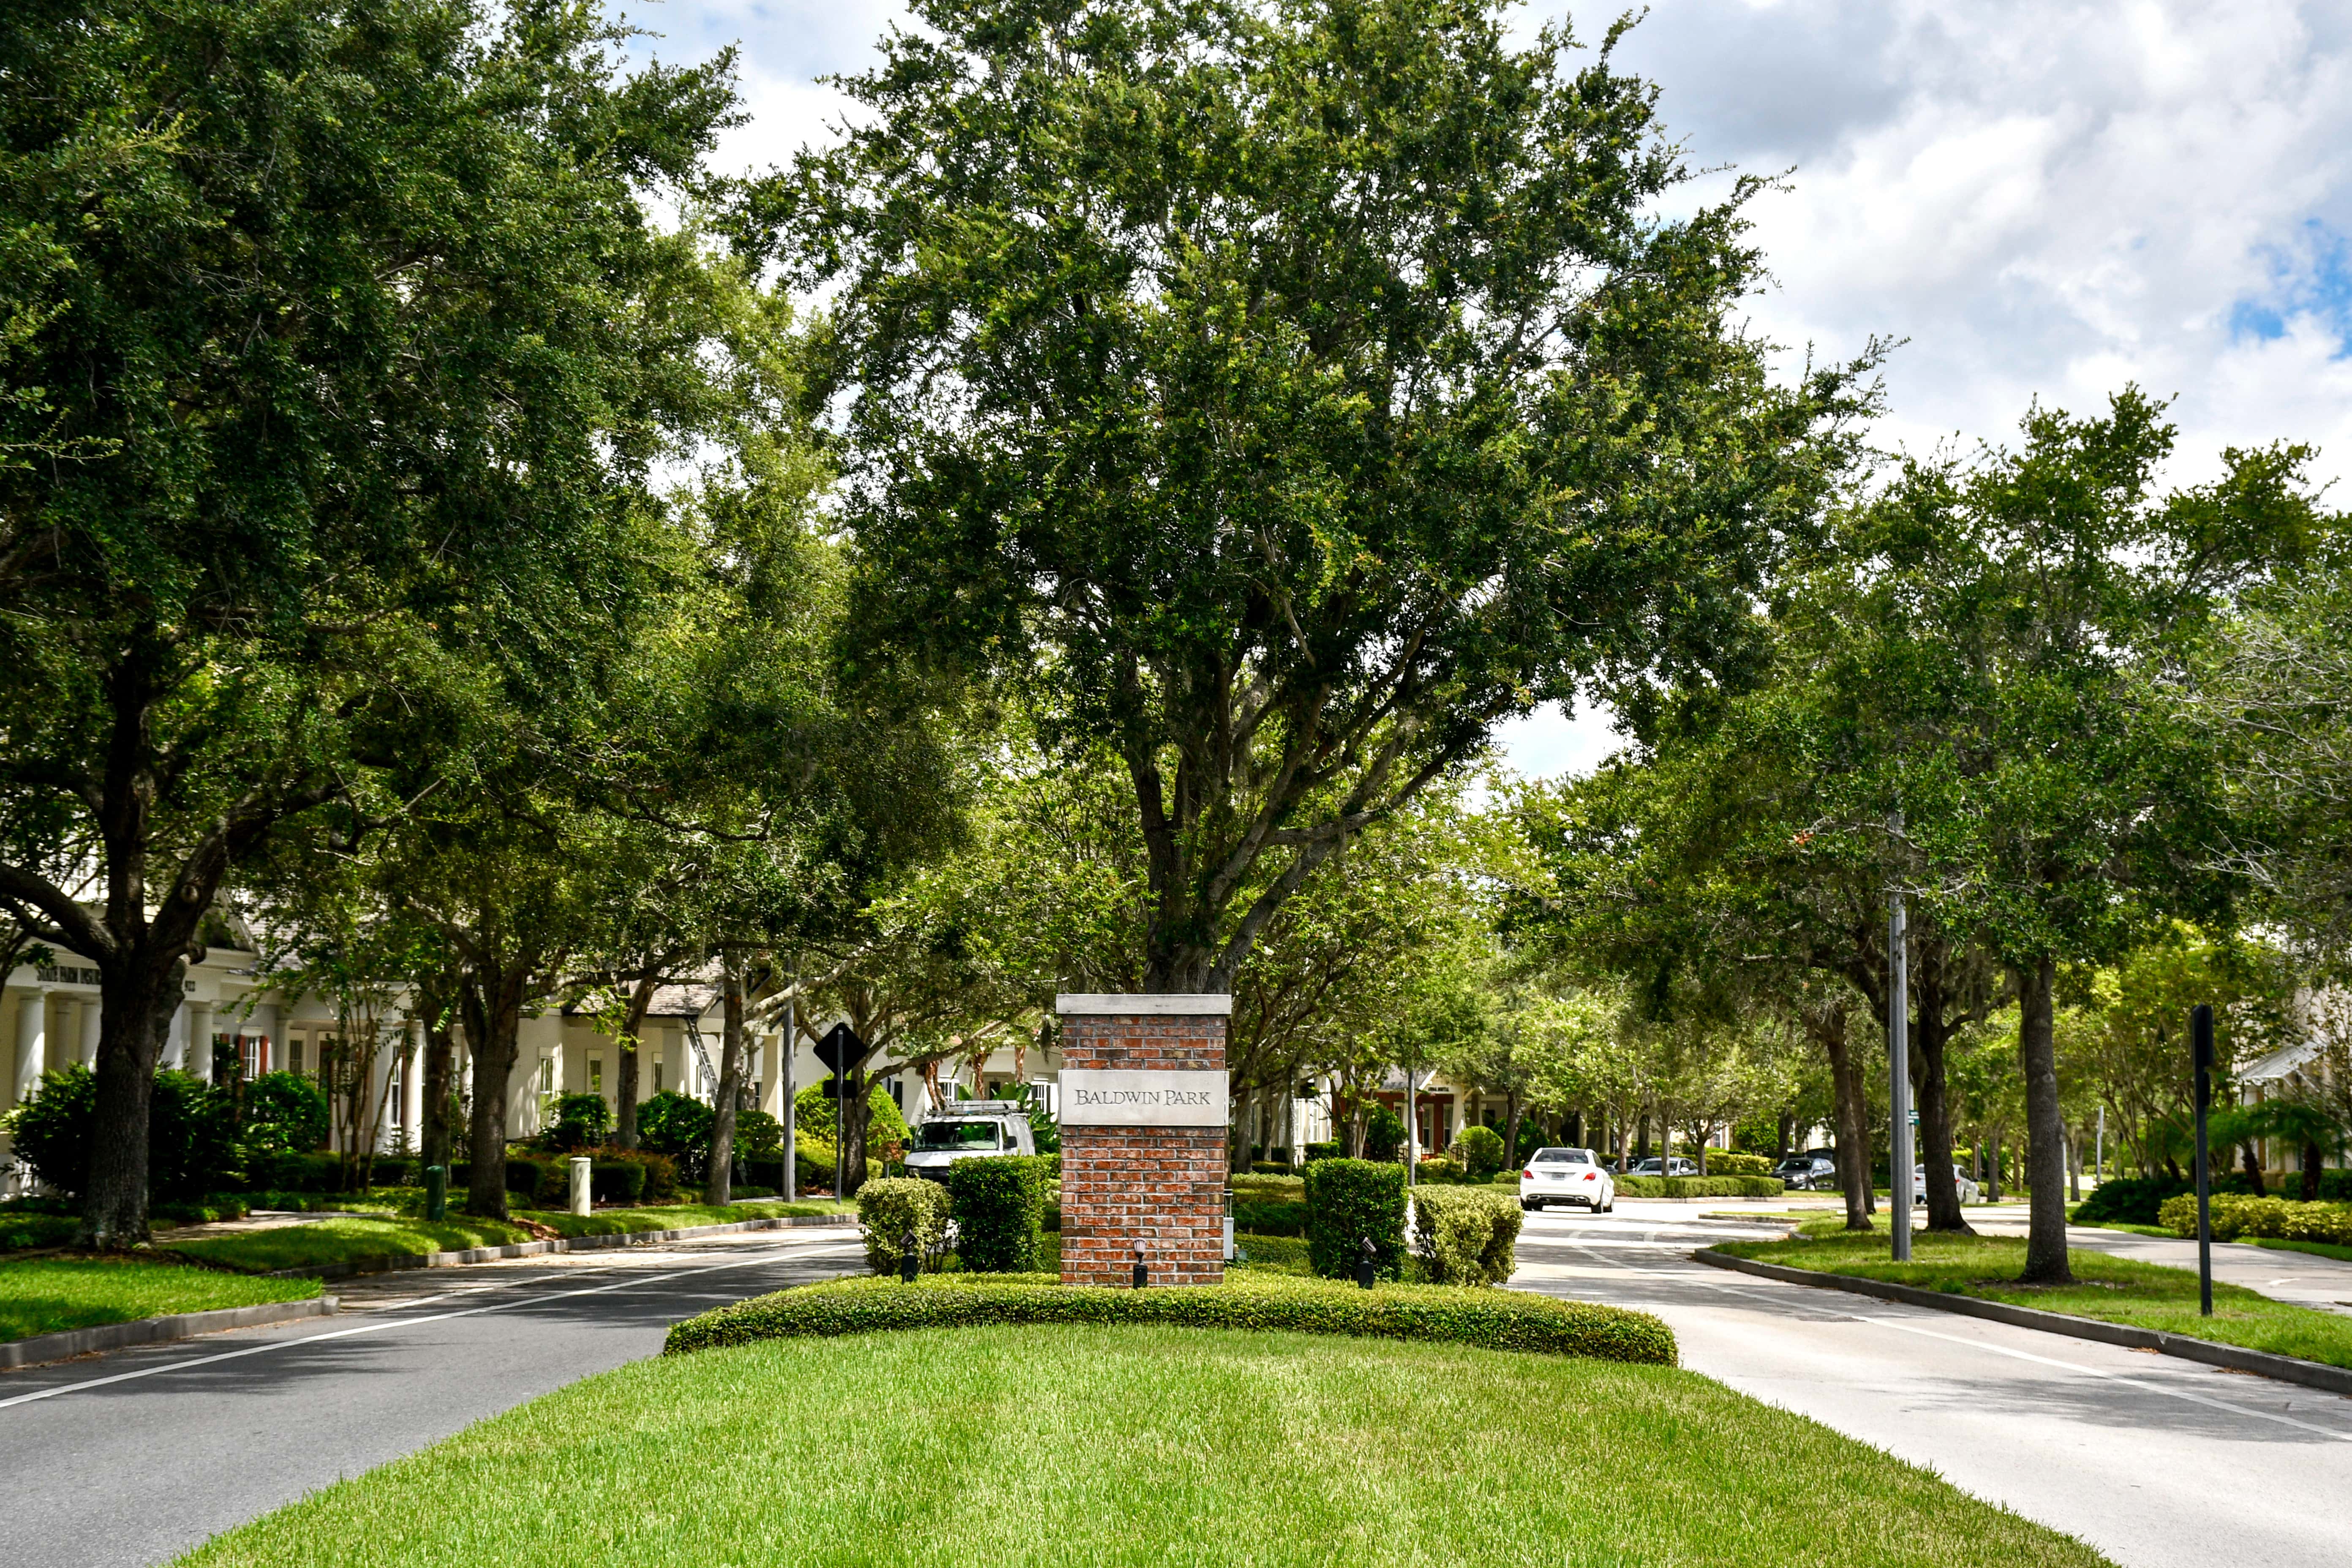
(1276, 1254)
(758, 1136)
(581, 1121)
(1732, 1163)
(1439, 1169)
(1492, 1319)
(659, 1184)
(1270, 1219)
(892, 1208)
(677, 1125)
(1384, 1134)
(1334, 1150)
(1348, 1200)
(283, 1113)
(1464, 1235)
(999, 1206)
(616, 1181)
(2238, 1214)
(291, 1171)
(190, 1149)
(2139, 1200)
(816, 1159)
(814, 1112)
(1478, 1150)
(1700, 1187)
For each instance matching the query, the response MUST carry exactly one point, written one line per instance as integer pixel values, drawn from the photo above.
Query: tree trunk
(1930, 1032)
(493, 998)
(2311, 1160)
(1992, 1176)
(1828, 1026)
(857, 1113)
(2073, 1165)
(136, 1001)
(2045, 1130)
(2251, 1162)
(1783, 1135)
(633, 1024)
(1511, 1129)
(718, 1187)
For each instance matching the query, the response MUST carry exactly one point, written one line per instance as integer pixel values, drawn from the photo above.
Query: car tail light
(1591, 1175)
(1527, 1175)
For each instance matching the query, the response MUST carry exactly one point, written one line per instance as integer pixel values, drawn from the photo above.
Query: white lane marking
(2076, 1367)
(388, 1323)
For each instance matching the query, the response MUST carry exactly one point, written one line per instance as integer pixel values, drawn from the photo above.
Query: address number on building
(1099, 1098)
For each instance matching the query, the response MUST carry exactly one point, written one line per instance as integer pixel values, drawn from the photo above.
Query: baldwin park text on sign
(1096, 1098)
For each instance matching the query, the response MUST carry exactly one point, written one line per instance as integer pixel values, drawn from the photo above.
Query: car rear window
(1563, 1156)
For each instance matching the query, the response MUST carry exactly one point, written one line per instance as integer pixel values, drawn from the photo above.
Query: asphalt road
(2156, 1461)
(132, 1458)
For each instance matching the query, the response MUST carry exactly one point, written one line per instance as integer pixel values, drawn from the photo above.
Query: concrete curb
(157, 1331)
(2286, 1369)
(394, 1262)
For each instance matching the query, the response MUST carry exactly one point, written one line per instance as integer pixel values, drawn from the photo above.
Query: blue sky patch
(2313, 277)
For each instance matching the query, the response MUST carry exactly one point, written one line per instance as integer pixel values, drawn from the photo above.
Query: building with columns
(49, 1018)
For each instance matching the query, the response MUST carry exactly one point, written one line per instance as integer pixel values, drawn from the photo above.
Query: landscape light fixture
(1366, 1265)
(907, 1265)
(1142, 1275)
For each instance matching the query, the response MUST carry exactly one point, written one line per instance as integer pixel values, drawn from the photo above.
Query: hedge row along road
(222, 1428)
(2156, 1462)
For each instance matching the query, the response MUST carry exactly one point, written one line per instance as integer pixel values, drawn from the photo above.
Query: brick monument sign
(1143, 1108)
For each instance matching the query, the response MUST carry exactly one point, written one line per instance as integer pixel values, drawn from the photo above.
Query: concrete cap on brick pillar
(1146, 1004)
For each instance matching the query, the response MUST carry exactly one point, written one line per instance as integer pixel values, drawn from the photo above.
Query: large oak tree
(1285, 394)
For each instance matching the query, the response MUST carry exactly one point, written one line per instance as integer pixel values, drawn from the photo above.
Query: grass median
(51, 1295)
(1015, 1446)
(327, 1242)
(2111, 1290)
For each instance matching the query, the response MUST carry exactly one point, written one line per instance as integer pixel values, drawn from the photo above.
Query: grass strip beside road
(2110, 1289)
(51, 1295)
(327, 1242)
(1139, 1445)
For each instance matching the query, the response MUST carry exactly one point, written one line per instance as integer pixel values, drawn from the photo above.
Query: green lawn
(2113, 1289)
(49, 1295)
(1005, 1447)
(322, 1243)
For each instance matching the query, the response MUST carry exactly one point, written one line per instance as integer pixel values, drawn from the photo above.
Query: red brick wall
(1164, 1186)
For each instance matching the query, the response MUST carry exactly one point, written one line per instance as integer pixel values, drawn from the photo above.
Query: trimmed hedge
(891, 1208)
(1464, 1235)
(1701, 1187)
(2285, 1219)
(2139, 1200)
(1348, 1200)
(1270, 1219)
(999, 1205)
(1491, 1320)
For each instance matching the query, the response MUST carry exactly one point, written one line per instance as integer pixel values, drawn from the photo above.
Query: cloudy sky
(2044, 199)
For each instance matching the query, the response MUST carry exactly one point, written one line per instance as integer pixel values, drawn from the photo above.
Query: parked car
(1807, 1172)
(1969, 1191)
(1681, 1167)
(972, 1130)
(1567, 1176)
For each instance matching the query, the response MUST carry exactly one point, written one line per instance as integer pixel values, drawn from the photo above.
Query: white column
(175, 1039)
(413, 1084)
(91, 1014)
(198, 1055)
(32, 1040)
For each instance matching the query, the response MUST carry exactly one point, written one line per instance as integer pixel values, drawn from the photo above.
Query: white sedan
(1967, 1189)
(1567, 1176)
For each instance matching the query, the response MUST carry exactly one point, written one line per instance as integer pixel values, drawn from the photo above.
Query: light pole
(2200, 1032)
(1898, 1064)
